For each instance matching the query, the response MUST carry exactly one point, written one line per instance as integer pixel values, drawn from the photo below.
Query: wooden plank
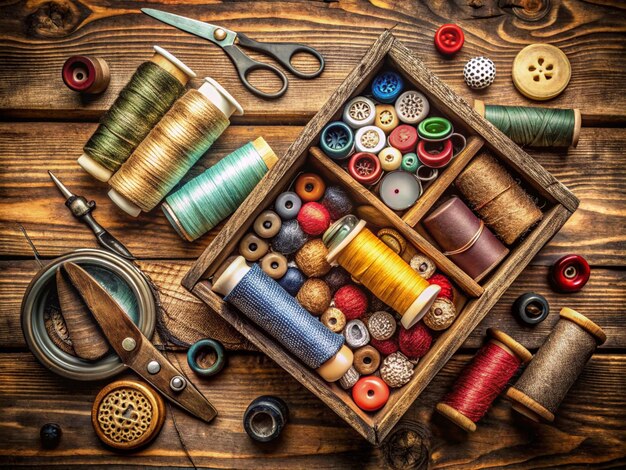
(589, 428)
(38, 36)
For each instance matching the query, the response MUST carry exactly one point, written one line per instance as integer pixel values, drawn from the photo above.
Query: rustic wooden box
(477, 298)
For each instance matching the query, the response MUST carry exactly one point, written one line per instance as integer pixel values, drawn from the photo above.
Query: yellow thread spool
(372, 263)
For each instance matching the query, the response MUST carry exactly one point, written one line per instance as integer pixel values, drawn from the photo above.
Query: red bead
(445, 284)
(432, 157)
(387, 346)
(365, 168)
(352, 301)
(370, 393)
(404, 138)
(415, 342)
(313, 218)
(449, 39)
(570, 273)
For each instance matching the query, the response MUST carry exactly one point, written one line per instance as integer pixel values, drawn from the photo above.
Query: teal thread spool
(534, 127)
(212, 196)
(150, 93)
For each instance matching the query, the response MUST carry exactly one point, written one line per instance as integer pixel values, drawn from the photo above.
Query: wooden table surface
(43, 126)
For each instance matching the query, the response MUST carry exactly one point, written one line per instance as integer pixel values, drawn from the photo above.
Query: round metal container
(122, 280)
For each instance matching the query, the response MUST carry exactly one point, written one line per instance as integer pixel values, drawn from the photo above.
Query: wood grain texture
(38, 36)
(314, 437)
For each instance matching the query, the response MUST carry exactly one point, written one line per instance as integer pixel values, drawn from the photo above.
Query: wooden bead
(370, 393)
(386, 118)
(310, 187)
(274, 265)
(267, 225)
(366, 360)
(253, 248)
(393, 239)
(314, 296)
(334, 320)
(381, 325)
(423, 265)
(396, 370)
(349, 378)
(441, 315)
(356, 334)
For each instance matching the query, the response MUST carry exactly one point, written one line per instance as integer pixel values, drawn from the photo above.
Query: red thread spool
(86, 74)
(365, 168)
(483, 380)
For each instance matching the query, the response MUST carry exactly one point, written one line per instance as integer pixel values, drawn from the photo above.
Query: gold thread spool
(499, 200)
(372, 263)
(175, 144)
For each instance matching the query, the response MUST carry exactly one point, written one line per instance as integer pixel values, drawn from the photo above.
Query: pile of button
(389, 140)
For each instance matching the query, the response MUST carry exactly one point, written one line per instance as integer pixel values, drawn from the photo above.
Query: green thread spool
(150, 93)
(212, 196)
(534, 127)
(175, 144)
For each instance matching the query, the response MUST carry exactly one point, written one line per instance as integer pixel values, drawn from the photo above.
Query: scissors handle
(245, 65)
(283, 52)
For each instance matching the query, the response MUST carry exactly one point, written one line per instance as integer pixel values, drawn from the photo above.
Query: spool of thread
(556, 366)
(373, 264)
(534, 126)
(151, 91)
(268, 305)
(466, 241)
(483, 380)
(212, 196)
(86, 74)
(499, 200)
(175, 144)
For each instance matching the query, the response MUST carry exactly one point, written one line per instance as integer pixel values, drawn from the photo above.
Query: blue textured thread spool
(268, 305)
(212, 196)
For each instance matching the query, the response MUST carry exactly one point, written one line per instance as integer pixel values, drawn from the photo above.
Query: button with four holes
(387, 86)
(365, 168)
(412, 107)
(370, 139)
(337, 140)
(449, 39)
(359, 112)
(541, 71)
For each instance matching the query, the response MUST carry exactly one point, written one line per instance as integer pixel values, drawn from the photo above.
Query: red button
(570, 273)
(449, 39)
(365, 167)
(434, 154)
(404, 138)
(370, 393)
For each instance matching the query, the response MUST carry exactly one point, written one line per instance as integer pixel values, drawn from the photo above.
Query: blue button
(387, 86)
(337, 140)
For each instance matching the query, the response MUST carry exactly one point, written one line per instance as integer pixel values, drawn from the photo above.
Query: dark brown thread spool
(556, 366)
(86, 74)
(493, 193)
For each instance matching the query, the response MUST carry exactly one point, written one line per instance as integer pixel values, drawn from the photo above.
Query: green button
(410, 162)
(434, 128)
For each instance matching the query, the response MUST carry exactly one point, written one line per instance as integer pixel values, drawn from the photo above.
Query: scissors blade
(199, 28)
(134, 349)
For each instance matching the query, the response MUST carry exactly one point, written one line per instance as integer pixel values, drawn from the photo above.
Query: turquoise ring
(202, 347)
(410, 162)
(434, 129)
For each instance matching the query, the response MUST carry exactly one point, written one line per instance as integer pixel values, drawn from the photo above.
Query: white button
(359, 112)
(370, 139)
(412, 107)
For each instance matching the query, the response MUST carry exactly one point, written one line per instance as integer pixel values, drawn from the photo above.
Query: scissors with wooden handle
(228, 40)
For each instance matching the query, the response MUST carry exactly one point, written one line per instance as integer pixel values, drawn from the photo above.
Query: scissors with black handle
(228, 40)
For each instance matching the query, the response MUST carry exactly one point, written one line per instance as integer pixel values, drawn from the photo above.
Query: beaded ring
(202, 347)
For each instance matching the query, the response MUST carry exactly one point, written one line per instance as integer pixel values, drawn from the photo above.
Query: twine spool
(379, 269)
(534, 127)
(498, 199)
(483, 380)
(212, 196)
(175, 144)
(151, 91)
(556, 366)
(268, 305)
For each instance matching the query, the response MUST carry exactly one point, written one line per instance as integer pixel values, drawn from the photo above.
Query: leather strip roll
(465, 239)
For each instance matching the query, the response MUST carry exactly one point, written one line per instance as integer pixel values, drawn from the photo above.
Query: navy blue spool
(337, 140)
(387, 86)
(268, 305)
(292, 281)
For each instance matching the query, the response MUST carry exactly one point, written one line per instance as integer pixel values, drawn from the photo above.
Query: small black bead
(531, 308)
(50, 435)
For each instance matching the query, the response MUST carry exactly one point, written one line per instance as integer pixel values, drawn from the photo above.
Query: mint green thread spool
(212, 196)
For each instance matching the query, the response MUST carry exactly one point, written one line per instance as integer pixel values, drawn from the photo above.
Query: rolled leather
(464, 238)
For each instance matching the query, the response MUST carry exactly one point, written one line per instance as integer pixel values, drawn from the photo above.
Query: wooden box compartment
(476, 299)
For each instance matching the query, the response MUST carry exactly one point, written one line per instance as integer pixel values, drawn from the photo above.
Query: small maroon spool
(86, 74)
(465, 238)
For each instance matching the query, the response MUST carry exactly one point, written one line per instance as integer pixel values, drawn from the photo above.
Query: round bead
(570, 273)
(349, 379)
(370, 393)
(352, 301)
(253, 248)
(381, 325)
(267, 224)
(292, 281)
(393, 239)
(290, 238)
(313, 218)
(334, 320)
(310, 187)
(314, 296)
(336, 278)
(426, 174)
(274, 265)
(337, 140)
(50, 435)
(365, 168)
(386, 118)
(265, 418)
(311, 258)
(424, 266)
(449, 39)
(441, 315)
(434, 129)
(359, 112)
(387, 86)
(541, 71)
(366, 360)
(399, 190)
(370, 139)
(387, 346)
(435, 154)
(410, 162)
(479, 72)
(396, 370)
(531, 308)
(200, 349)
(404, 138)
(337, 201)
(390, 159)
(288, 205)
(356, 334)
(415, 341)
(412, 106)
